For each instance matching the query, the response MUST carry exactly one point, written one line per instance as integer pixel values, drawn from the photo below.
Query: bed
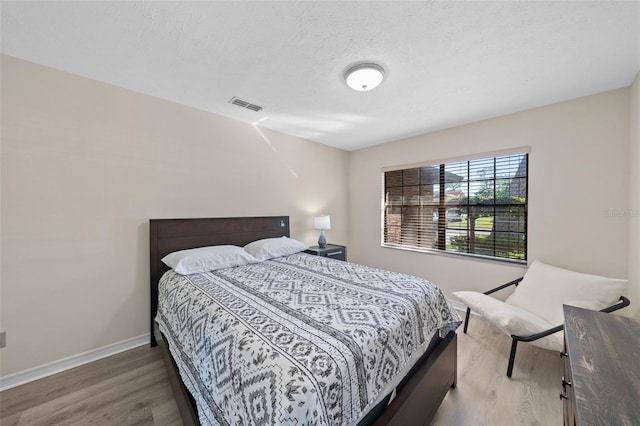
(342, 392)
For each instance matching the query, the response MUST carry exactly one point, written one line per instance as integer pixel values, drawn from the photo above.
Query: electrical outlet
(3, 339)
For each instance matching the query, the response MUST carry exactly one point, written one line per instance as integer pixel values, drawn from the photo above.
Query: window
(474, 206)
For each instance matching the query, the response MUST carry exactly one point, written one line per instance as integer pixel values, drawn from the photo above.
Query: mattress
(298, 340)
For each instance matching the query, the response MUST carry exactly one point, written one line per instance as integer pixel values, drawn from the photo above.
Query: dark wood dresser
(601, 383)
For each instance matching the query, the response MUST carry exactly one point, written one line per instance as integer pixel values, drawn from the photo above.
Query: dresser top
(604, 353)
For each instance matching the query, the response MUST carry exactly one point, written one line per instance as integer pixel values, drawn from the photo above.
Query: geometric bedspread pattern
(299, 340)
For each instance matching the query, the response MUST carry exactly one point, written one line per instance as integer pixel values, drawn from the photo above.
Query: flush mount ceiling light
(364, 77)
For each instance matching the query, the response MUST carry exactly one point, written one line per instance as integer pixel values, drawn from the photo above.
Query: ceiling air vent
(245, 104)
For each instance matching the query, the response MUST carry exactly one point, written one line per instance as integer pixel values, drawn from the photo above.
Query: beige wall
(634, 197)
(578, 169)
(85, 165)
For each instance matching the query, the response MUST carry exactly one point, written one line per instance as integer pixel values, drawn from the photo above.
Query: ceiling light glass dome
(364, 77)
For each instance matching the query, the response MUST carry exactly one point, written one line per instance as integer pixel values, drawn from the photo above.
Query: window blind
(476, 206)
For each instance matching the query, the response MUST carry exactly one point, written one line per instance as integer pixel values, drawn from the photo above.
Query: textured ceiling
(447, 63)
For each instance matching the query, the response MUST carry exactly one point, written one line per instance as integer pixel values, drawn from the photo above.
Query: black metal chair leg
(466, 320)
(512, 357)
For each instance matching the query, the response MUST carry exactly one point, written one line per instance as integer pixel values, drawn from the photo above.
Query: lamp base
(322, 241)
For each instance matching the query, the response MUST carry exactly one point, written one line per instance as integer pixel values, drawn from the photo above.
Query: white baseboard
(458, 306)
(16, 379)
(462, 308)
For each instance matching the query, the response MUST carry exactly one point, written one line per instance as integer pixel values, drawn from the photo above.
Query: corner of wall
(634, 198)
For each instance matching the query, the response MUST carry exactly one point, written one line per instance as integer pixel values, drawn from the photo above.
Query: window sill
(467, 256)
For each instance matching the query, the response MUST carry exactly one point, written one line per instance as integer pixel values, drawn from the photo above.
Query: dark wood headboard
(169, 235)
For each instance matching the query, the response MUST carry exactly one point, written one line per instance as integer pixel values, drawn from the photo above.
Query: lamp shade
(322, 222)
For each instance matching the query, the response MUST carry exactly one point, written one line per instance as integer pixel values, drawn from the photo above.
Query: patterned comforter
(300, 340)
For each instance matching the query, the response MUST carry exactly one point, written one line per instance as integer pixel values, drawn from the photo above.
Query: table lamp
(322, 223)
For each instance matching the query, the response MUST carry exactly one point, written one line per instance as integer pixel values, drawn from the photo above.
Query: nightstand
(333, 251)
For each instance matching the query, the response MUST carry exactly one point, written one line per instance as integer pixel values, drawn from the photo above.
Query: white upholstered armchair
(533, 312)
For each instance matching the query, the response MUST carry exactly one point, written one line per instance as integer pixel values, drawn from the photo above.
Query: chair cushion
(546, 288)
(510, 319)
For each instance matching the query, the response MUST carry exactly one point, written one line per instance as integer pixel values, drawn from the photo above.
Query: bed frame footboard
(420, 398)
(416, 404)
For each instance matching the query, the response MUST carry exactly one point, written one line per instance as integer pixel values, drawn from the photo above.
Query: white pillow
(546, 288)
(274, 247)
(204, 259)
(511, 319)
